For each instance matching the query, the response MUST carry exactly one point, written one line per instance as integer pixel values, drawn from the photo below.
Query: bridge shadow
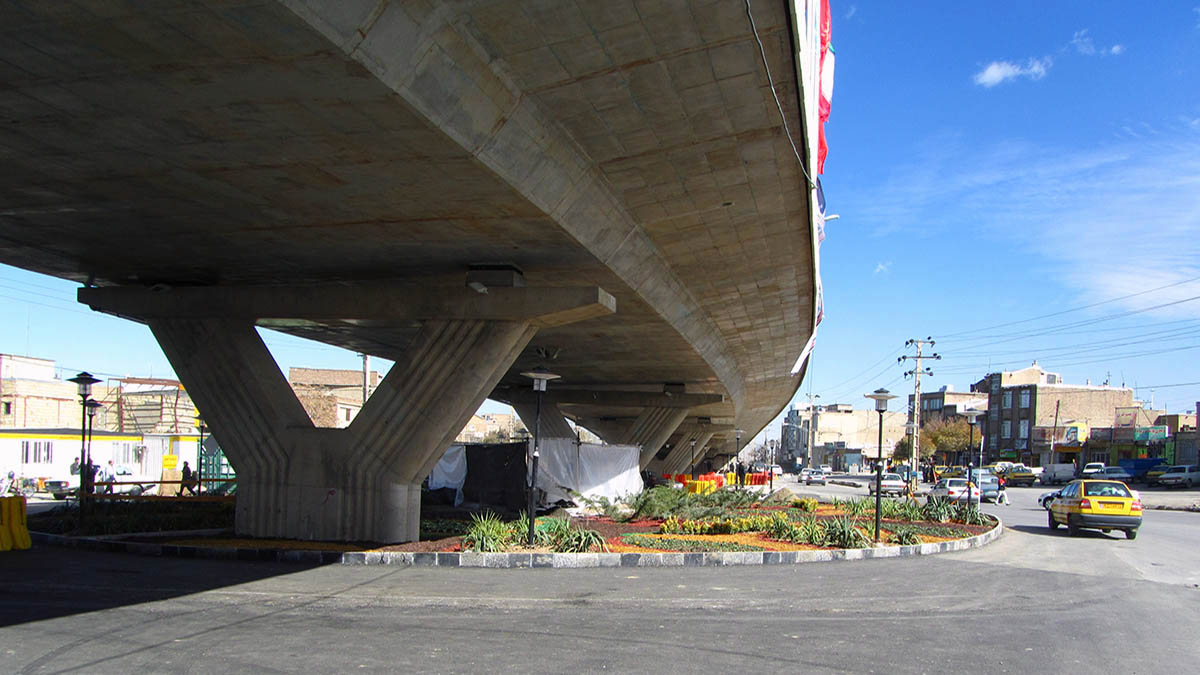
(47, 582)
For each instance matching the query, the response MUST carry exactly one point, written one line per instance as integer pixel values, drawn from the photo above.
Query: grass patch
(685, 545)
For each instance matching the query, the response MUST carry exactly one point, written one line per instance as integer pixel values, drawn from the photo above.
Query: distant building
(845, 438)
(332, 398)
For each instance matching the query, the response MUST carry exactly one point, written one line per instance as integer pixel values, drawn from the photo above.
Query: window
(1006, 429)
(993, 442)
(1025, 395)
(37, 452)
(993, 413)
(8, 407)
(1023, 429)
(1007, 400)
(995, 385)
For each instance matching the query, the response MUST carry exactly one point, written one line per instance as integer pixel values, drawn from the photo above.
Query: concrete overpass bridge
(467, 188)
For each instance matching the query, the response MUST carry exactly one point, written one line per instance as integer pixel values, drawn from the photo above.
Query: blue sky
(991, 163)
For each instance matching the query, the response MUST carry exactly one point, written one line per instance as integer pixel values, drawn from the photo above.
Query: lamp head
(85, 382)
(881, 398)
(540, 375)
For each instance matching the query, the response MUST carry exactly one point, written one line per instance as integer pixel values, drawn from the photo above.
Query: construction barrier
(14, 534)
(702, 487)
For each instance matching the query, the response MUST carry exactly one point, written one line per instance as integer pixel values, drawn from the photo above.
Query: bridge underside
(235, 149)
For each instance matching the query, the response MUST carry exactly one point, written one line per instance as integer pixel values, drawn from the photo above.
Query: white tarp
(594, 471)
(451, 472)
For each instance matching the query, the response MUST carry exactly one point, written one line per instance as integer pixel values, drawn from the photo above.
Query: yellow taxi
(1155, 473)
(1104, 505)
(1018, 474)
(939, 470)
(954, 472)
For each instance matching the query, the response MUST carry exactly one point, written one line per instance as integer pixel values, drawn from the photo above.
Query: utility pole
(916, 373)
(812, 429)
(366, 382)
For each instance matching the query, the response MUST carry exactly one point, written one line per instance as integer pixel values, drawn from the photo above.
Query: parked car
(1047, 498)
(815, 476)
(1155, 473)
(1114, 473)
(1091, 468)
(776, 469)
(1017, 475)
(805, 471)
(991, 488)
(1180, 476)
(124, 483)
(826, 469)
(954, 489)
(889, 484)
(1057, 474)
(1104, 505)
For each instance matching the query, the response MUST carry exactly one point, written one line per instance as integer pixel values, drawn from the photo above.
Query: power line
(1068, 311)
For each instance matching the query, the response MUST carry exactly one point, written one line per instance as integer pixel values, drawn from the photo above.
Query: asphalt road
(1034, 601)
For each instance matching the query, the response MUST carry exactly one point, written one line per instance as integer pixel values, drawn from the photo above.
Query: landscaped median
(658, 528)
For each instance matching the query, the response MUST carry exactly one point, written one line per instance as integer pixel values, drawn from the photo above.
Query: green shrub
(910, 511)
(811, 531)
(904, 536)
(859, 507)
(488, 534)
(937, 510)
(806, 504)
(967, 514)
(843, 532)
(891, 508)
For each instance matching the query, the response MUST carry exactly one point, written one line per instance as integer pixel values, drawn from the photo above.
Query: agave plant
(487, 533)
(905, 536)
(967, 514)
(811, 531)
(937, 510)
(843, 532)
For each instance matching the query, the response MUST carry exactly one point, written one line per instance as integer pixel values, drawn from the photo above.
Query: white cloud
(1117, 50)
(998, 72)
(1104, 222)
(852, 11)
(1082, 42)
(883, 267)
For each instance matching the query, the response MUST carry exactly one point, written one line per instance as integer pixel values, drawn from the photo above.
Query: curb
(517, 560)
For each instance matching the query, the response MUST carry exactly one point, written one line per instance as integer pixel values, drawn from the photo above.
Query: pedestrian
(188, 482)
(1002, 494)
(741, 473)
(108, 475)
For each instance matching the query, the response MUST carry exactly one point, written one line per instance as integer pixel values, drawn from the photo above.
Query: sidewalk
(1174, 500)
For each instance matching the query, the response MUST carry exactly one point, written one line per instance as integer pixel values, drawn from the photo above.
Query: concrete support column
(679, 458)
(361, 483)
(554, 425)
(682, 462)
(652, 428)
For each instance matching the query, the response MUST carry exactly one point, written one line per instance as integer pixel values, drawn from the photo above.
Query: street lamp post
(693, 459)
(771, 464)
(881, 398)
(972, 416)
(199, 458)
(737, 456)
(540, 376)
(84, 381)
(92, 406)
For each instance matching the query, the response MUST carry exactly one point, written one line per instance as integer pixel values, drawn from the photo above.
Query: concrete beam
(633, 399)
(539, 307)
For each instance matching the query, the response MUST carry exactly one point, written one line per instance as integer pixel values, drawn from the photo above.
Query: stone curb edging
(518, 560)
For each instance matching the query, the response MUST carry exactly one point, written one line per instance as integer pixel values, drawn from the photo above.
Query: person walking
(741, 474)
(1002, 494)
(188, 482)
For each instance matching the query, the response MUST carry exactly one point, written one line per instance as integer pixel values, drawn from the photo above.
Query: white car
(1113, 473)
(890, 483)
(776, 469)
(826, 469)
(817, 476)
(954, 489)
(1180, 476)
(1091, 468)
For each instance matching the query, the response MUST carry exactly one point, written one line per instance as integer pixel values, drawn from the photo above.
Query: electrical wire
(771, 82)
(951, 336)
